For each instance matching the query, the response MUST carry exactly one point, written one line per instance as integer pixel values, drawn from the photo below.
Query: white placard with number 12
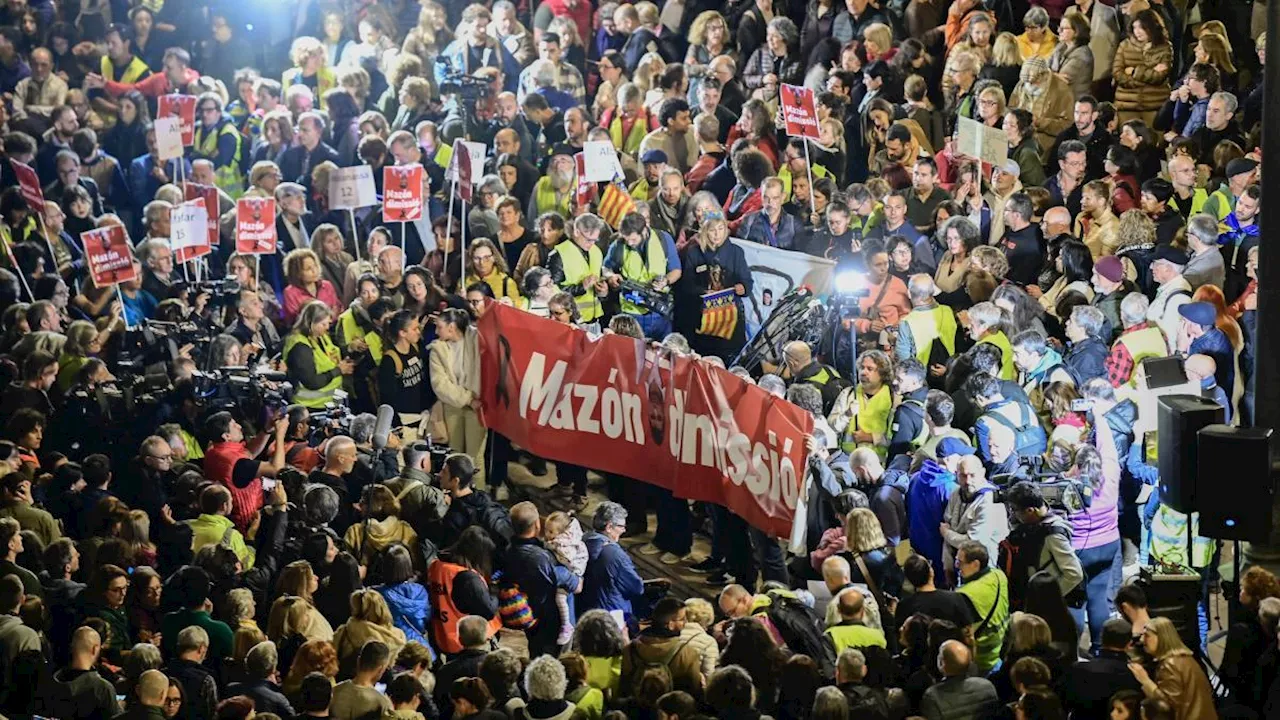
(351, 188)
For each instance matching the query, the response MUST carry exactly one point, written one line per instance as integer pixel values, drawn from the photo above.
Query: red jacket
(152, 86)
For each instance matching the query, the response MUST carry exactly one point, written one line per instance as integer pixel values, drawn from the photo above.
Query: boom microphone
(386, 416)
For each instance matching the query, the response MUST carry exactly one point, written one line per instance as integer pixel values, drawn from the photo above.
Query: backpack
(1029, 437)
(495, 520)
(802, 630)
(513, 606)
(639, 666)
(1019, 557)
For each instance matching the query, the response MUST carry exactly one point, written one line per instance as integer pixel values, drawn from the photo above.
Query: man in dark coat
(531, 566)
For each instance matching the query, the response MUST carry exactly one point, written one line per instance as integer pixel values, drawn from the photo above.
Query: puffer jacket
(410, 609)
(1147, 89)
(211, 529)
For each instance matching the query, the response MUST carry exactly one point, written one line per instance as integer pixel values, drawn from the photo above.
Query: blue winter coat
(410, 608)
(611, 581)
(931, 487)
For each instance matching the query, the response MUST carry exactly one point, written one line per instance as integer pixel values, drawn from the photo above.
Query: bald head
(850, 604)
(1199, 367)
(954, 658)
(920, 288)
(797, 354)
(735, 601)
(152, 686)
(1057, 220)
(85, 644)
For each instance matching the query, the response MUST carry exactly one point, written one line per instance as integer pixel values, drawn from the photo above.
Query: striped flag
(615, 204)
(719, 314)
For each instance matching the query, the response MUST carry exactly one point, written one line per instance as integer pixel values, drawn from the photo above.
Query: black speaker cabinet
(1236, 464)
(1180, 418)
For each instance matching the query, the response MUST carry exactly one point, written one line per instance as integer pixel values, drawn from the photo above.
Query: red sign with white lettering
(182, 107)
(108, 254)
(401, 193)
(256, 226)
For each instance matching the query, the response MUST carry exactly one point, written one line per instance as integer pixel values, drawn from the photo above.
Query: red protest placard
(401, 193)
(256, 226)
(182, 107)
(209, 194)
(29, 184)
(676, 422)
(799, 111)
(108, 254)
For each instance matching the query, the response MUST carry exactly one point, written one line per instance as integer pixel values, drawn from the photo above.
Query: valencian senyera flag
(719, 314)
(615, 204)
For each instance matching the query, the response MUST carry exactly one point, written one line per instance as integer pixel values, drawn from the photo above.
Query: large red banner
(108, 254)
(401, 193)
(256, 226)
(29, 186)
(614, 405)
(182, 107)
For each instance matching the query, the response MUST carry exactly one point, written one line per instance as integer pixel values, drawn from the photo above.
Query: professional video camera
(159, 342)
(238, 387)
(645, 296)
(467, 87)
(1063, 494)
(334, 419)
(222, 293)
(798, 315)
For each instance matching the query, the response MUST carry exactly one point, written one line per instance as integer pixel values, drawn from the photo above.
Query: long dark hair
(1152, 24)
(1077, 261)
(1044, 598)
(473, 550)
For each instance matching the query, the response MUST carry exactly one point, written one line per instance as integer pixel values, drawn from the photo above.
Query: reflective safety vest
(873, 416)
(643, 270)
(1142, 344)
(445, 617)
(349, 329)
(544, 198)
(1007, 369)
(326, 359)
(936, 323)
(133, 72)
(854, 635)
(639, 128)
(579, 267)
(229, 178)
(989, 593)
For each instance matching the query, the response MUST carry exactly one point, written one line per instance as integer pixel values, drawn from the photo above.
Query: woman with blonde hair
(243, 639)
(487, 264)
(298, 580)
(83, 341)
(717, 264)
(991, 105)
(877, 41)
(870, 556)
(137, 532)
(370, 620)
(1179, 678)
(1215, 49)
(426, 39)
(404, 67)
(312, 361)
(708, 39)
(310, 67)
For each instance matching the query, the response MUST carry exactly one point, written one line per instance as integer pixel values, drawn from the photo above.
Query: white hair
(545, 679)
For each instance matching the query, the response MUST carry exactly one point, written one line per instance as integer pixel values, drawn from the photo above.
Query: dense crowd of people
(186, 538)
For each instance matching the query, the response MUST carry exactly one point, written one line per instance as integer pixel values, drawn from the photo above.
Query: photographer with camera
(1040, 541)
(230, 460)
(373, 464)
(641, 257)
(297, 448)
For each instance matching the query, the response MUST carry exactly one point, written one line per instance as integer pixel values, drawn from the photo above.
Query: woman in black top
(402, 373)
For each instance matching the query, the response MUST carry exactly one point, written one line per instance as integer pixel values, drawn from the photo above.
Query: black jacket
(464, 664)
(1024, 249)
(266, 697)
(1088, 686)
(198, 686)
(296, 163)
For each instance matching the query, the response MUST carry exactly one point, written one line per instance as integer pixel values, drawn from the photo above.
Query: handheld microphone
(386, 416)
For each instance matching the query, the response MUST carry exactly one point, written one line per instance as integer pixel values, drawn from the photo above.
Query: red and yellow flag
(719, 314)
(615, 204)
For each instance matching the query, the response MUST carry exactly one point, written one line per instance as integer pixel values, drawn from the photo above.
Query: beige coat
(353, 634)
(40, 99)
(1052, 109)
(666, 141)
(1104, 36)
(455, 370)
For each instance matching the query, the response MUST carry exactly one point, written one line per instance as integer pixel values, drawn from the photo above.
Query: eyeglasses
(117, 588)
(482, 258)
(173, 701)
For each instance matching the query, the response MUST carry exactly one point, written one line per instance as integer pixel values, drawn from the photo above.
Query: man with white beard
(1047, 97)
(554, 191)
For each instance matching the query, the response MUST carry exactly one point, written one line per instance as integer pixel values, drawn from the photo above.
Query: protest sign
(107, 252)
(256, 226)
(402, 193)
(208, 193)
(351, 188)
(189, 230)
(980, 142)
(799, 112)
(601, 161)
(29, 186)
(182, 107)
